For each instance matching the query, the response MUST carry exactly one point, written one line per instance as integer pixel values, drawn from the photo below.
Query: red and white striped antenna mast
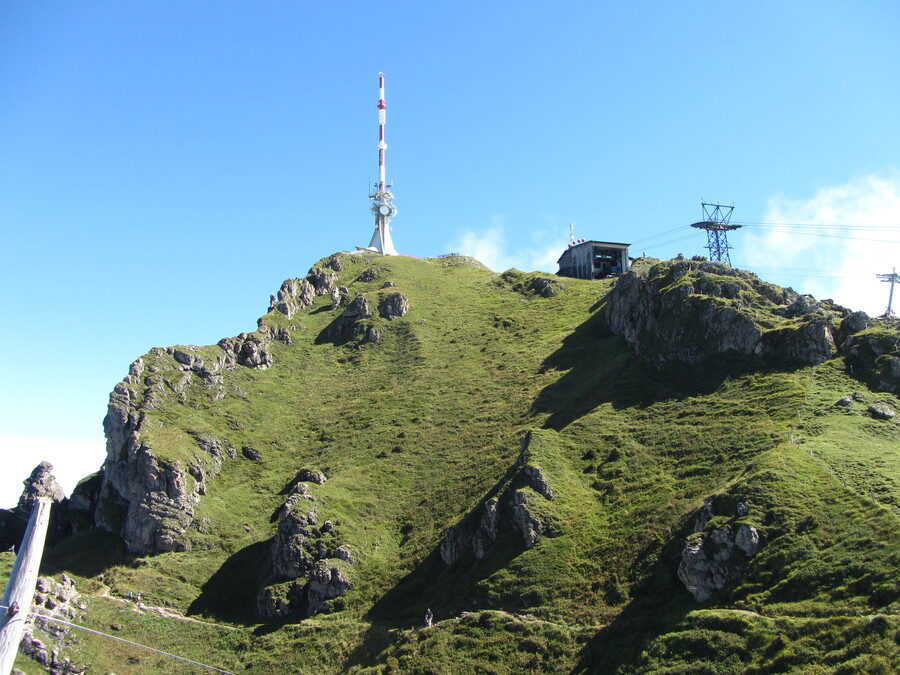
(382, 199)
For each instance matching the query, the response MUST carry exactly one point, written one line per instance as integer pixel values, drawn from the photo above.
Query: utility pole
(20, 587)
(892, 278)
(717, 223)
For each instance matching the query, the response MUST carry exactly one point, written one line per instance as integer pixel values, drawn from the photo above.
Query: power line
(840, 236)
(670, 241)
(832, 226)
(129, 642)
(809, 272)
(661, 234)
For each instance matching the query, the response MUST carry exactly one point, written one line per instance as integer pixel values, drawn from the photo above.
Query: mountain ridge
(548, 464)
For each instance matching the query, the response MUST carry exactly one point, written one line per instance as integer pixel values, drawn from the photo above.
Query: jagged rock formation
(873, 355)
(40, 483)
(309, 555)
(59, 600)
(151, 501)
(713, 558)
(521, 506)
(294, 295)
(351, 324)
(285, 477)
(394, 306)
(340, 296)
(686, 311)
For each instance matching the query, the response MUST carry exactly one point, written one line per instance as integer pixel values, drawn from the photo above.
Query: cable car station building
(593, 260)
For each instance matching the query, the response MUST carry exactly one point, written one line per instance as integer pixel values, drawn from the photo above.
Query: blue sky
(165, 165)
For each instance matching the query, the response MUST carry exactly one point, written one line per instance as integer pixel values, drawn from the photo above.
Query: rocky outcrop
(873, 355)
(393, 306)
(322, 280)
(687, 311)
(520, 507)
(368, 274)
(340, 296)
(293, 296)
(43, 640)
(351, 324)
(308, 562)
(882, 411)
(544, 287)
(713, 558)
(146, 499)
(40, 484)
(249, 350)
(326, 582)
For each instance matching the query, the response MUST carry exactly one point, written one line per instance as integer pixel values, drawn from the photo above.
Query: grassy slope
(415, 432)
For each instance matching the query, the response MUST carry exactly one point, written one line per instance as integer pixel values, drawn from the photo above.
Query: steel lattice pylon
(716, 222)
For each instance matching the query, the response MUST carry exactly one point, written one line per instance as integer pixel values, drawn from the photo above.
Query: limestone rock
(41, 483)
(348, 325)
(59, 600)
(687, 311)
(487, 530)
(523, 519)
(393, 306)
(250, 453)
(326, 582)
(293, 296)
(713, 559)
(844, 402)
(801, 306)
(293, 549)
(747, 539)
(339, 297)
(855, 322)
(246, 350)
(312, 476)
(334, 262)
(881, 411)
(546, 288)
(322, 280)
(539, 481)
(368, 274)
(142, 497)
(254, 355)
(307, 555)
(188, 360)
(874, 357)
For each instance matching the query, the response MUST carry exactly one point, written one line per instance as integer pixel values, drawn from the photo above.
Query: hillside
(685, 470)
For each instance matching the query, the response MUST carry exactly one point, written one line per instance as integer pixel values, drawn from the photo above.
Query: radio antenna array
(382, 198)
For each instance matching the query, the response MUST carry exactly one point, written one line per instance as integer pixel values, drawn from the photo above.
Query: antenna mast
(717, 222)
(382, 199)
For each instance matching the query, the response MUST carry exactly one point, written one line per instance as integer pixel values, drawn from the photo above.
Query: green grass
(416, 432)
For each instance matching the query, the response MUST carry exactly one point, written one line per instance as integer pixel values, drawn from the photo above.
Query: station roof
(610, 244)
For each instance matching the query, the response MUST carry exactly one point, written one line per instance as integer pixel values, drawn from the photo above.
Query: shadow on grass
(447, 590)
(86, 554)
(230, 594)
(659, 603)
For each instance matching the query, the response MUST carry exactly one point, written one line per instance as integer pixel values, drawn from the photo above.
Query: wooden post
(20, 587)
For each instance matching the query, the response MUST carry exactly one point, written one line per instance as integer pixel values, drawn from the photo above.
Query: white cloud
(493, 247)
(852, 234)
